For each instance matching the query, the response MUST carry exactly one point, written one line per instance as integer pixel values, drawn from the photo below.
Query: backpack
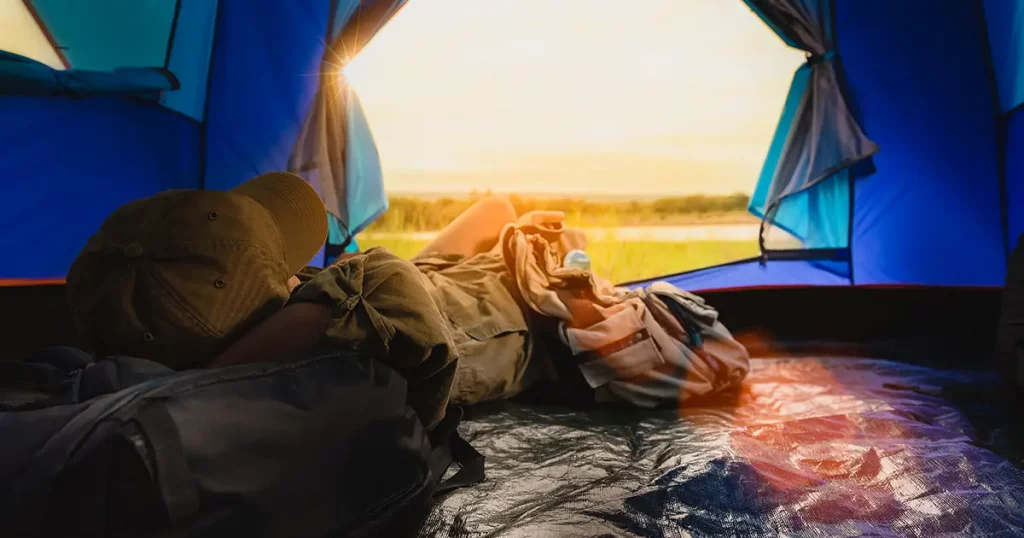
(126, 447)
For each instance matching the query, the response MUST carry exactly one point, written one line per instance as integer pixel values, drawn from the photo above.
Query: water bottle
(577, 259)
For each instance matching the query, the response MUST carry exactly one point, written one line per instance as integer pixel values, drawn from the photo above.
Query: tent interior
(872, 407)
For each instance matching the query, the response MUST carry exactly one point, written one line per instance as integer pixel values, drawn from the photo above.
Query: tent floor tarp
(809, 447)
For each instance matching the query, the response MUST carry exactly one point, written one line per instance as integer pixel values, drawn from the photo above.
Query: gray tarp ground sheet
(810, 447)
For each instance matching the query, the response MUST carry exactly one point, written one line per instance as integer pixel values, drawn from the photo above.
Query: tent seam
(1000, 123)
(172, 34)
(204, 125)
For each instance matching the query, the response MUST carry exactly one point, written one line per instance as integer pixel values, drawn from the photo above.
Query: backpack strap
(64, 358)
(448, 448)
(167, 455)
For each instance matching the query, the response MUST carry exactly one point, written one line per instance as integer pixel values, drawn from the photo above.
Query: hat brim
(297, 210)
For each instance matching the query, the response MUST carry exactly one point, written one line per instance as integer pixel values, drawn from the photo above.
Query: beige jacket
(651, 346)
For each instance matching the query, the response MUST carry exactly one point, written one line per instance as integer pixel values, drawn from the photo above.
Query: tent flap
(336, 140)
(1005, 21)
(817, 138)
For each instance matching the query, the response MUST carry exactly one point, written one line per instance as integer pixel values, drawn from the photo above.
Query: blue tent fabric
(260, 89)
(931, 214)
(109, 35)
(751, 273)
(817, 138)
(1005, 22)
(336, 138)
(916, 77)
(230, 85)
(61, 182)
(189, 56)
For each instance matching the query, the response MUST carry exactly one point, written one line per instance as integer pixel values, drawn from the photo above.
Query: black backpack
(126, 447)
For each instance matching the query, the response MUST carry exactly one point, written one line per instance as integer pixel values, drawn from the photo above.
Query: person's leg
(476, 230)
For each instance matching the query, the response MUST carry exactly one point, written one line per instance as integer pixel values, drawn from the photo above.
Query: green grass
(620, 261)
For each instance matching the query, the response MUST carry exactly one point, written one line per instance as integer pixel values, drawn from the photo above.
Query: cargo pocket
(621, 346)
(483, 309)
(490, 335)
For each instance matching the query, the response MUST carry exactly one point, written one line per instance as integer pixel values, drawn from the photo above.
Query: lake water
(677, 234)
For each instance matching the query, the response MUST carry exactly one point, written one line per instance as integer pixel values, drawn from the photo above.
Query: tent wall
(67, 163)
(919, 76)
(70, 162)
(916, 77)
(918, 81)
(264, 76)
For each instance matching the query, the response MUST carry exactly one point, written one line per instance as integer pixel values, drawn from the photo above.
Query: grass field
(620, 261)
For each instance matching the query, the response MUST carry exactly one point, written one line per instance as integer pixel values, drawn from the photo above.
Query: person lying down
(199, 279)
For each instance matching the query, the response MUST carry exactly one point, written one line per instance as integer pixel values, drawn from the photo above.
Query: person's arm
(287, 334)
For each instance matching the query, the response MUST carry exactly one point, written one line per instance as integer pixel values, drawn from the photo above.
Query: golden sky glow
(645, 97)
(20, 34)
(574, 96)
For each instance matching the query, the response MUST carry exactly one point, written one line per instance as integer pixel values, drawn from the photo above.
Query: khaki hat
(177, 276)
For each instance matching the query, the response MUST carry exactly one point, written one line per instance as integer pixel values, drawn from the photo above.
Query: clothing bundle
(648, 346)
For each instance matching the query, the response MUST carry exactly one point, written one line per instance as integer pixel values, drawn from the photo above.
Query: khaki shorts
(487, 324)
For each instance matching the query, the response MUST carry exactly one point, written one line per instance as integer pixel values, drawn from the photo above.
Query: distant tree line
(411, 214)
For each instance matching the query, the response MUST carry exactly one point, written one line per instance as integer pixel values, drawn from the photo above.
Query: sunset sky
(574, 96)
(648, 97)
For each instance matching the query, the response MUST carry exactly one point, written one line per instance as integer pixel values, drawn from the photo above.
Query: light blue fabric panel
(336, 139)
(820, 216)
(342, 14)
(190, 56)
(797, 89)
(802, 181)
(337, 234)
(106, 34)
(1006, 36)
(364, 179)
